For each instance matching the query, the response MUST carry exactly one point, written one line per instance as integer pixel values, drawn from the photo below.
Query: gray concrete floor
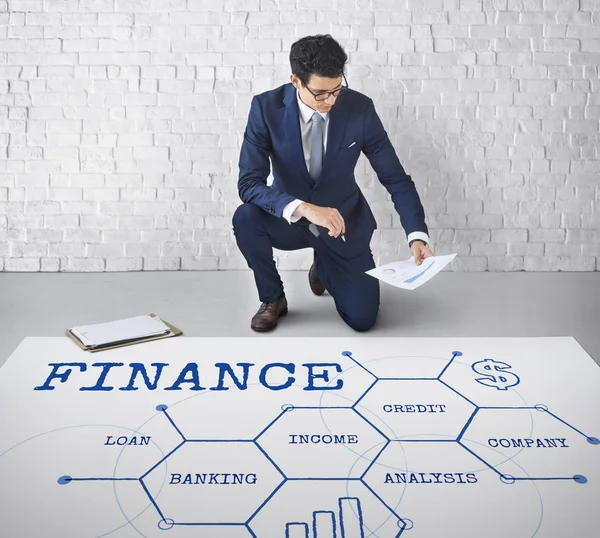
(221, 304)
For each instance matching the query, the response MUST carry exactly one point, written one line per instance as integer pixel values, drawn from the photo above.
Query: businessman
(311, 132)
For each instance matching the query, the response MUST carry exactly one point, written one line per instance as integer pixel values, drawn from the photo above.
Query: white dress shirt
(305, 116)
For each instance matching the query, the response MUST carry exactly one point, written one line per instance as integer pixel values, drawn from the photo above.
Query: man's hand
(327, 217)
(420, 251)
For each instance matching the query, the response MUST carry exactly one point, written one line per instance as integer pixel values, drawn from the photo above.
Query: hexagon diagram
(363, 466)
(321, 443)
(225, 484)
(408, 474)
(400, 410)
(542, 445)
(328, 507)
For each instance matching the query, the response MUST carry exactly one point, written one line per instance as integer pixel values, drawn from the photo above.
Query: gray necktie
(316, 146)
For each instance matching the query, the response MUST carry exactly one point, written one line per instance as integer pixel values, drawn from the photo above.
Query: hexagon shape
(213, 483)
(415, 409)
(446, 491)
(322, 443)
(332, 507)
(540, 444)
(405, 366)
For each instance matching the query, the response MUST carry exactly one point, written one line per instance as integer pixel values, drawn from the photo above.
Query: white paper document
(407, 274)
(120, 330)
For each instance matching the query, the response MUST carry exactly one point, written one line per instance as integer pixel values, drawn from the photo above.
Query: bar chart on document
(407, 274)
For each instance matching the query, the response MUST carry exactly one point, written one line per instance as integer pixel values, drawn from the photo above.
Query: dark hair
(319, 55)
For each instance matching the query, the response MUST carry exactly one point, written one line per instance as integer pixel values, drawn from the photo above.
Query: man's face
(317, 85)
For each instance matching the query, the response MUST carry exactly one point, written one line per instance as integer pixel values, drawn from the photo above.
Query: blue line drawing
(495, 374)
(349, 522)
(296, 530)
(324, 524)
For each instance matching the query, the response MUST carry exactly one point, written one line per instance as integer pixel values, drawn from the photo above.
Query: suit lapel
(337, 125)
(291, 127)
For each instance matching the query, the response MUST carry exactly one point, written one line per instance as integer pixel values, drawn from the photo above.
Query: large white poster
(301, 438)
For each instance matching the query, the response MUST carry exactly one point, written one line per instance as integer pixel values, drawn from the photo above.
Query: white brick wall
(121, 122)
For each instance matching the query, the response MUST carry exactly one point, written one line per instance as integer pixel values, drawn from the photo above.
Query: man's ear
(295, 81)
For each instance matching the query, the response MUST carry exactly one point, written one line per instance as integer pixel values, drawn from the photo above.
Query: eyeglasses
(323, 96)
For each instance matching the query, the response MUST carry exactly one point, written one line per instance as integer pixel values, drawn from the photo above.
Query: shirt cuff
(418, 235)
(289, 209)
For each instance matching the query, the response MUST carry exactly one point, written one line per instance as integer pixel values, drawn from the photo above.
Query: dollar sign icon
(494, 374)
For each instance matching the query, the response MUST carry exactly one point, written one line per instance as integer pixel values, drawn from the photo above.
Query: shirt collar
(306, 112)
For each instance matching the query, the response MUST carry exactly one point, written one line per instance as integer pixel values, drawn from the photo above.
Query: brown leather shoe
(268, 315)
(314, 282)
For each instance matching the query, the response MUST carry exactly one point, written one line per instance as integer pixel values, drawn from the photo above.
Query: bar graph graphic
(324, 524)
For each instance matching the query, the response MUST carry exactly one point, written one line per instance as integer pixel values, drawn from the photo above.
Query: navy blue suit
(273, 139)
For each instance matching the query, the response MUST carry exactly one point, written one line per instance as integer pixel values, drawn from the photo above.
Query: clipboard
(113, 345)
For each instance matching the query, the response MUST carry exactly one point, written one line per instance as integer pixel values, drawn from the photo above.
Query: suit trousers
(356, 294)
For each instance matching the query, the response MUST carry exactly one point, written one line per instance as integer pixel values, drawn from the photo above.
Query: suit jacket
(272, 137)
